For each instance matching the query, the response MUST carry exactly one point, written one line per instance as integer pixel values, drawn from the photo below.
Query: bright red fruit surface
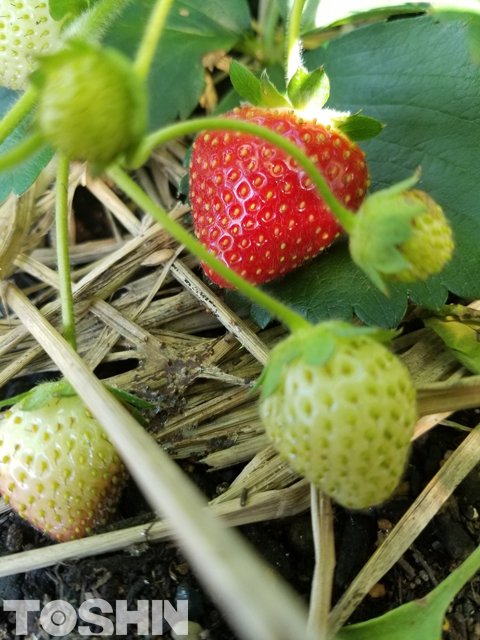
(255, 209)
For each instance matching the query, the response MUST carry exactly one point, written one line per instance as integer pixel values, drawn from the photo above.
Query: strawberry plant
(281, 195)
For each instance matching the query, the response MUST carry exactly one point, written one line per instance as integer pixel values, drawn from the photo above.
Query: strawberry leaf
(358, 127)
(393, 71)
(332, 286)
(23, 175)
(309, 88)
(193, 30)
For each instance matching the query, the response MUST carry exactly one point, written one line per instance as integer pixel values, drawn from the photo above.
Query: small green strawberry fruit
(340, 407)
(430, 246)
(27, 31)
(92, 106)
(57, 467)
(401, 235)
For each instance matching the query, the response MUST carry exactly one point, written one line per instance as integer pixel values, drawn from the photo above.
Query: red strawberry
(58, 469)
(255, 209)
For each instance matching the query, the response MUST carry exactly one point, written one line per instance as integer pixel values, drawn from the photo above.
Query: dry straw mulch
(139, 303)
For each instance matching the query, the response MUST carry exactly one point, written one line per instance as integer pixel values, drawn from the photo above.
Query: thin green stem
(63, 254)
(292, 319)
(92, 24)
(294, 52)
(271, 21)
(345, 217)
(17, 113)
(21, 151)
(151, 37)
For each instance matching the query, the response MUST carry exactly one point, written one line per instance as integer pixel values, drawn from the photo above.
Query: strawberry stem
(293, 320)
(268, 25)
(345, 217)
(92, 24)
(294, 45)
(63, 257)
(21, 151)
(151, 37)
(17, 113)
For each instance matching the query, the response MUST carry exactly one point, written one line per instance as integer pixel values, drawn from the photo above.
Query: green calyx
(400, 235)
(315, 345)
(307, 93)
(92, 106)
(43, 393)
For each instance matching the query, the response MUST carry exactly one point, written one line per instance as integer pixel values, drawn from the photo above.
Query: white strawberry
(57, 467)
(27, 31)
(341, 409)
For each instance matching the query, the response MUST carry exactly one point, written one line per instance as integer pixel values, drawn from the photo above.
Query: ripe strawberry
(57, 467)
(27, 31)
(341, 409)
(255, 209)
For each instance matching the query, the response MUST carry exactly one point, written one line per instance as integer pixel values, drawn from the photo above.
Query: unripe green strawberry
(341, 409)
(401, 235)
(430, 246)
(58, 469)
(27, 31)
(92, 105)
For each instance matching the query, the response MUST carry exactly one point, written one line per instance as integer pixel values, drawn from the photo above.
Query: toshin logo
(59, 618)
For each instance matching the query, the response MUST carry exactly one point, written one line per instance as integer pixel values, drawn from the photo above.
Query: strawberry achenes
(341, 409)
(255, 209)
(27, 31)
(58, 469)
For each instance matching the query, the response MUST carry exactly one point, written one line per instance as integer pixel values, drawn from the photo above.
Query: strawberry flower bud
(92, 106)
(401, 235)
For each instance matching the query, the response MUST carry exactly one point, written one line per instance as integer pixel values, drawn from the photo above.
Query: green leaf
(309, 88)
(461, 338)
(320, 14)
(418, 620)
(393, 71)
(473, 40)
(21, 177)
(245, 83)
(359, 128)
(271, 97)
(177, 78)
(331, 286)
(260, 93)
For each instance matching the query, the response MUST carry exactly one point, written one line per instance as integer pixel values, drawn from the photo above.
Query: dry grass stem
(225, 563)
(323, 536)
(265, 506)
